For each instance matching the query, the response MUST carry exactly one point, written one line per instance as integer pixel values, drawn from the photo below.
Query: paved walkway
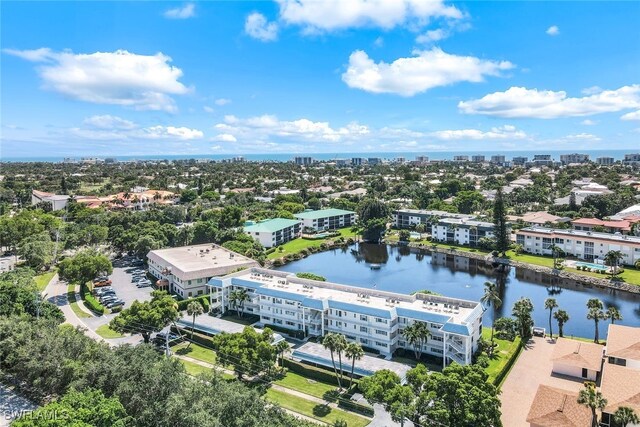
(12, 405)
(532, 368)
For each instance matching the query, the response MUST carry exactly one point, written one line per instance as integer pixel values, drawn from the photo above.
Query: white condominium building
(586, 245)
(274, 232)
(375, 319)
(187, 269)
(407, 218)
(461, 231)
(327, 219)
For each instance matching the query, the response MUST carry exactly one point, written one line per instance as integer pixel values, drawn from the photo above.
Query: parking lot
(122, 284)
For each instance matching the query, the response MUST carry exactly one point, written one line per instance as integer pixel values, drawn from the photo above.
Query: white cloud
(582, 137)
(591, 90)
(259, 28)
(378, 42)
(588, 122)
(222, 101)
(109, 122)
(143, 82)
(112, 128)
(208, 109)
(553, 30)
(503, 132)
(634, 115)
(225, 137)
(330, 15)
(184, 12)
(432, 36)
(426, 70)
(520, 102)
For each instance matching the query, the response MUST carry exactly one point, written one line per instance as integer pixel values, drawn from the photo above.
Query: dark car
(116, 303)
(161, 338)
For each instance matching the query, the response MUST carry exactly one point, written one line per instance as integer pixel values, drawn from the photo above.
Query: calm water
(455, 276)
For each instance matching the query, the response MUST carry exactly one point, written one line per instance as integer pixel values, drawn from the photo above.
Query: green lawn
(195, 351)
(43, 280)
(501, 354)
(306, 385)
(311, 409)
(106, 332)
(295, 246)
(71, 296)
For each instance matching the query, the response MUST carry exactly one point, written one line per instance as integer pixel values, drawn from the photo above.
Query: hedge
(350, 405)
(503, 373)
(203, 300)
(312, 372)
(90, 301)
(291, 332)
(198, 338)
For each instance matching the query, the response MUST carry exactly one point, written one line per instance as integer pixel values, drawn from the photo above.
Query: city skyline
(302, 77)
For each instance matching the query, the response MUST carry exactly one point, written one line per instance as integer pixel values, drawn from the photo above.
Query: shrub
(277, 262)
(292, 332)
(356, 407)
(117, 309)
(90, 301)
(270, 251)
(309, 371)
(204, 299)
(311, 276)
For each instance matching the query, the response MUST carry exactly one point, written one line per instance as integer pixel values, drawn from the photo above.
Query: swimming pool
(592, 265)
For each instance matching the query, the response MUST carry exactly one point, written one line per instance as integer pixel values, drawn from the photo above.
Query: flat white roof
(198, 261)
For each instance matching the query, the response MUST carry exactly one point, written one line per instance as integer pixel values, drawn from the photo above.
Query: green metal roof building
(274, 232)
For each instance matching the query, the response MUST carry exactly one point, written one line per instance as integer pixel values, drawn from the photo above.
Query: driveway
(12, 405)
(532, 369)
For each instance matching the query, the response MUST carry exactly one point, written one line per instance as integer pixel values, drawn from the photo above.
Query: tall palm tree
(561, 317)
(474, 229)
(613, 314)
(592, 399)
(242, 296)
(550, 304)
(417, 334)
(354, 352)
(194, 308)
(280, 348)
(555, 250)
(491, 298)
(331, 343)
(596, 314)
(612, 259)
(624, 416)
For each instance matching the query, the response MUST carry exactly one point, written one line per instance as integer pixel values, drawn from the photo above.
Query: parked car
(538, 331)
(102, 283)
(108, 299)
(106, 294)
(161, 338)
(102, 290)
(116, 303)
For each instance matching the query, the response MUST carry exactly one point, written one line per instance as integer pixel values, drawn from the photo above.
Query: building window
(364, 329)
(380, 332)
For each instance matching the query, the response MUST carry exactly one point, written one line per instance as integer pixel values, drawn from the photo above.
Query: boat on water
(375, 266)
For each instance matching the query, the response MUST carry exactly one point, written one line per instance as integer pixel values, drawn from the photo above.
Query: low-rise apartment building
(408, 218)
(186, 270)
(326, 219)
(461, 231)
(57, 201)
(375, 319)
(274, 232)
(585, 245)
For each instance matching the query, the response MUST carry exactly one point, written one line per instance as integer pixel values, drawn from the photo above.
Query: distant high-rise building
(519, 160)
(477, 159)
(499, 159)
(567, 159)
(400, 160)
(631, 159)
(542, 160)
(357, 161)
(460, 158)
(422, 159)
(605, 161)
(238, 159)
(341, 162)
(374, 160)
(303, 161)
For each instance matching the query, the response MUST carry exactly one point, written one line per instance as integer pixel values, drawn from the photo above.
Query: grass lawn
(195, 351)
(106, 332)
(501, 354)
(244, 320)
(306, 385)
(432, 365)
(296, 245)
(43, 280)
(71, 296)
(311, 409)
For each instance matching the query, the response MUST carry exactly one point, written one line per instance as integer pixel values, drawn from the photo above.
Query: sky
(300, 76)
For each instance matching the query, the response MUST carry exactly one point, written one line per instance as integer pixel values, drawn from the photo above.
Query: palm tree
(555, 252)
(613, 258)
(280, 348)
(474, 228)
(491, 298)
(624, 416)
(194, 309)
(354, 352)
(596, 314)
(550, 304)
(561, 317)
(592, 399)
(332, 342)
(613, 314)
(242, 296)
(417, 334)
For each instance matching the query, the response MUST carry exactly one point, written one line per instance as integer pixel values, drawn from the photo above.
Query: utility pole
(166, 343)
(38, 303)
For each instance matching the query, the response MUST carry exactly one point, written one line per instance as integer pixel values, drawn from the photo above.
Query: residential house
(554, 407)
(577, 359)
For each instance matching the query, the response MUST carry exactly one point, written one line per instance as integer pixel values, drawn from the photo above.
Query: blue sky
(134, 78)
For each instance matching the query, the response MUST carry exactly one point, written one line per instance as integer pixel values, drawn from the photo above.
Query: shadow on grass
(184, 351)
(321, 410)
(331, 395)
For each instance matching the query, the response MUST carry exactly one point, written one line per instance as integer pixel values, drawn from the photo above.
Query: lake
(403, 271)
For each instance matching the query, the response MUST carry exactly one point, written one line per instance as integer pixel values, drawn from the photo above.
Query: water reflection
(406, 270)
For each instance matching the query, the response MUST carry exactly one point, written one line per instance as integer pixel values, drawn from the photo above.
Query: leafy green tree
(314, 203)
(89, 408)
(249, 352)
(561, 317)
(188, 196)
(625, 416)
(550, 304)
(417, 335)
(84, 266)
(522, 310)
(491, 298)
(144, 245)
(37, 250)
(506, 328)
(501, 227)
(354, 352)
(592, 399)
(404, 235)
(613, 314)
(370, 208)
(231, 216)
(148, 316)
(595, 312)
(612, 259)
(19, 296)
(468, 201)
